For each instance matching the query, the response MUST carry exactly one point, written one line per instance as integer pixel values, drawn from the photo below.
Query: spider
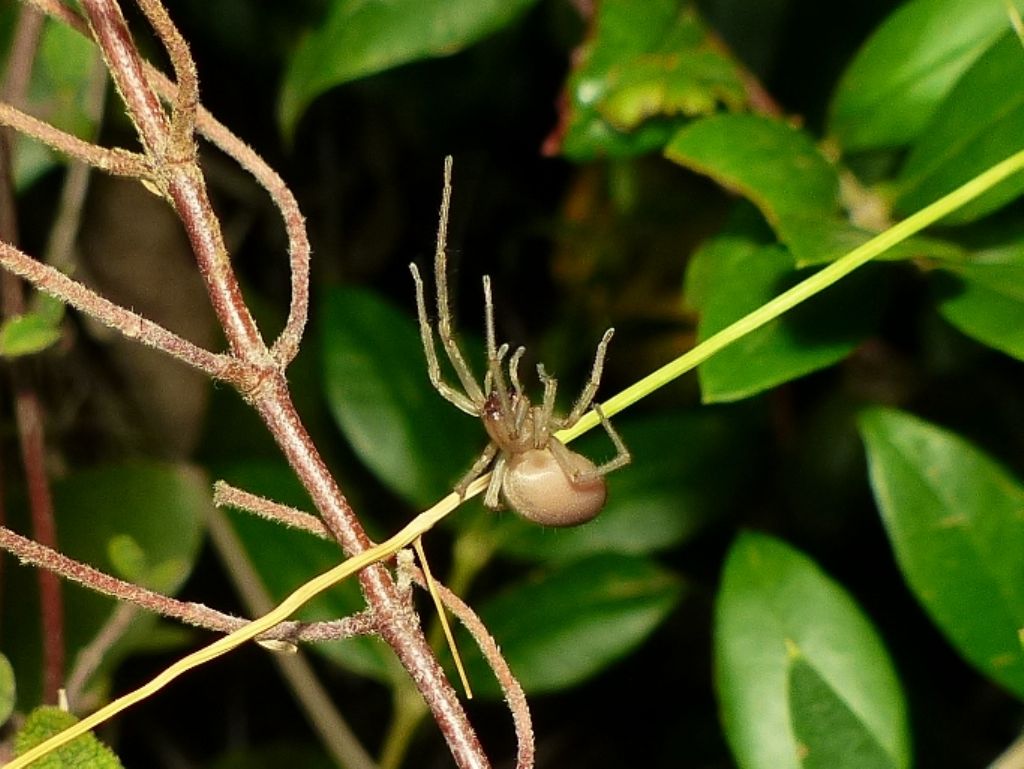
(535, 473)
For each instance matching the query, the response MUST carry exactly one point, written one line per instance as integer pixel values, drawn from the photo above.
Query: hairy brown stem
(31, 552)
(267, 391)
(134, 326)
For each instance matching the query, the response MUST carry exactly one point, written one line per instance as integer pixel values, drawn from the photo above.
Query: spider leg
(478, 467)
(444, 314)
(513, 369)
(493, 359)
(544, 416)
(491, 498)
(623, 457)
(488, 377)
(459, 400)
(590, 390)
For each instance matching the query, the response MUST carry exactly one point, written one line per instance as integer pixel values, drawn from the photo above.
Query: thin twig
(513, 691)
(134, 326)
(28, 551)
(335, 733)
(114, 160)
(287, 344)
(92, 655)
(226, 495)
(76, 181)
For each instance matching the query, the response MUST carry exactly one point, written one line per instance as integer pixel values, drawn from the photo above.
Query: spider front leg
(478, 467)
(492, 498)
(464, 402)
(590, 390)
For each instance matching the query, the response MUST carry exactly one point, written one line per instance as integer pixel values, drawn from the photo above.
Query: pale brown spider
(536, 474)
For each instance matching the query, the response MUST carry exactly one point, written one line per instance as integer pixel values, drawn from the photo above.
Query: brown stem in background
(226, 495)
(28, 413)
(31, 552)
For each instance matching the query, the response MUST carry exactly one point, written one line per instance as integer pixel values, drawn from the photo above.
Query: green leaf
(984, 297)
(85, 752)
(686, 470)
(286, 558)
(730, 276)
(161, 507)
(363, 37)
(58, 94)
(954, 519)
(777, 615)
(27, 334)
(7, 689)
(778, 168)
(563, 626)
(644, 70)
(379, 393)
(979, 124)
(896, 82)
(829, 733)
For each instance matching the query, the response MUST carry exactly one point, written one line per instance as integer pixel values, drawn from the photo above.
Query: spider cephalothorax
(537, 475)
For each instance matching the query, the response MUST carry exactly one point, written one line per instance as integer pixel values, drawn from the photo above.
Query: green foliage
(58, 93)
(85, 752)
(375, 375)
(906, 69)
(644, 70)
(984, 296)
(954, 519)
(359, 38)
(801, 674)
(733, 274)
(7, 689)
(979, 123)
(563, 625)
(27, 334)
(140, 519)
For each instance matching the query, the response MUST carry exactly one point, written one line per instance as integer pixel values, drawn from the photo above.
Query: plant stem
(28, 412)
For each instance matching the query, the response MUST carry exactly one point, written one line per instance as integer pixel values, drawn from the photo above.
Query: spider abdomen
(537, 487)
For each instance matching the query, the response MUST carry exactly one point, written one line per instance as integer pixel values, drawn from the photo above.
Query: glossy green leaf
(794, 652)
(565, 625)
(895, 84)
(286, 558)
(360, 38)
(85, 752)
(58, 94)
(953, 516)
(377, 387)
(778, 168)
(161, 507)
(7, 689)
(984, 298)
(731, 276)
(829, 733)
(27, 334)
(643, 70)
(979, 124)
(687, 468)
